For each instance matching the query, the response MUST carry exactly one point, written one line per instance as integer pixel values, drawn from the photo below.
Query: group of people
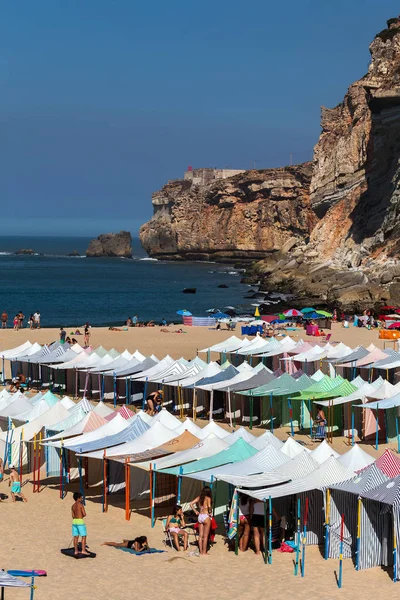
(18, 320)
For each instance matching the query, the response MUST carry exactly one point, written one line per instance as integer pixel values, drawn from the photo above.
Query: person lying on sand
(140, 544)
(115, 329)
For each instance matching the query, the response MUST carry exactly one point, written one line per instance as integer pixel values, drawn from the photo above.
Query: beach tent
(109, 428)
(261, 463)
(89, 422)
(265, 439)
(21, 349)
(188, 425)
(209, 446)
(292, 448)
(155, 436)
(311, 486)
(67, 402)
(213, 427)
(343, 498)
(230, 345)
(389, 464)
(318, 375)
(20, 405)
(136, 428)
(240, 433)
(240, 450)
(356, 459)
(322, 452)
(103, 410)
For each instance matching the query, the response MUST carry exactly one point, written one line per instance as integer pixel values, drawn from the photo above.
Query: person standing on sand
(31, 321)
(15, 485)
(4, 319)
(86, 331)
(78, 524)
(16, 323)
(63, 335)
(36, 319)
(21, 318)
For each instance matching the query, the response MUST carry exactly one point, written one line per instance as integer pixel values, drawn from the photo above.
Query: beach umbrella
(212, 310)
(314, 315)
(257, 322)
(307, 310)
(184, 313)
(293, 312)
(394, 325)
(325, 313)
(257, 312)
(220, 315)
(229, 307)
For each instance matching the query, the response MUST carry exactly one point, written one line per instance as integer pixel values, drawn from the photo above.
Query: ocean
(69, 291)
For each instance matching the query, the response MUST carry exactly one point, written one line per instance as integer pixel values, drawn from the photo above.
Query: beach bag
(286, 548)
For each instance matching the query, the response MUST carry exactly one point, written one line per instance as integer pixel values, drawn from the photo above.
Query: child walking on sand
(15, 485)
(78, 524)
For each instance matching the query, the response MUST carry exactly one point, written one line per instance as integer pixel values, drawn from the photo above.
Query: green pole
(251, 410)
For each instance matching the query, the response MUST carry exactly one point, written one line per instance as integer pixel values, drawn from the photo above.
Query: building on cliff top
(204, 177)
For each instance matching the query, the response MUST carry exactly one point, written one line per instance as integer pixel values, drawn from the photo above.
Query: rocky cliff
(111, 244)
(243, 216)
(329, 230)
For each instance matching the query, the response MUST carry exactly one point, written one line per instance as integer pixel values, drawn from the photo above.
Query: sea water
(69, 291)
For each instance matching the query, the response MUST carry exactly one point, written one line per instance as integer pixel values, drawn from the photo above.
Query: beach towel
(70, 552)
(132, 551)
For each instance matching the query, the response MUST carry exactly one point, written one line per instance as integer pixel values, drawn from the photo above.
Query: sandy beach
(33, 533)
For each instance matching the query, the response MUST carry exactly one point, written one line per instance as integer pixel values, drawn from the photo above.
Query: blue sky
(102, 102)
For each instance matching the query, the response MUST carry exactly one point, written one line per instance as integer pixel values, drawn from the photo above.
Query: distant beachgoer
(15, 485)
(320, 421)
(4, 319)
(175, 523)
(74, 341)
(202, 506)
(154, 401)
(78, 524)
(140, 544)
(16, 323)
(86, 331)
(67, 340)
(257, 523)
(36, 319)
(63, 335)
(21, 318)
(31, 321)
(129, 322)
(150, 324)
(135, 321)
(244, 522)
(163, 322)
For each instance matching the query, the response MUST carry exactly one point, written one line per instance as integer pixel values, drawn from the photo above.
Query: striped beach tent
(389, 464)
(343, 498)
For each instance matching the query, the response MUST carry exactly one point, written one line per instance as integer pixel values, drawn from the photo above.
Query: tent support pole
(230, 408)
(298, 540)
(251, 411)
(397, 435)
(211, 405)
(303, 551)
(81, 486)
(327, 518)
(179, 485)
(358, 542)
(270, 532)
(394, 550)
(377, 428)
(144, 394)
(352, 426)
(153, 497)
(291, 417)
(271, 410)
(237, 524)
(341, 554)
(265, 531)
(127, 490)
(310, 416)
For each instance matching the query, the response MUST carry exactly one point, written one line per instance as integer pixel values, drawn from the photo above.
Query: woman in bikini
(203, 512)
(175, 523)
(244, 522)
(140, 544)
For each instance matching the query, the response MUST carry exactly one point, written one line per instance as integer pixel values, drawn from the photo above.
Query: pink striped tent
(389, 464)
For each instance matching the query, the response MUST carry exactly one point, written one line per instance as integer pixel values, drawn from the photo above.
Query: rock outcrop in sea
(326, 230)
(112, 245)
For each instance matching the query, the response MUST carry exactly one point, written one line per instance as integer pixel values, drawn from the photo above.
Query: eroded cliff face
(330, 230)
(244, 216)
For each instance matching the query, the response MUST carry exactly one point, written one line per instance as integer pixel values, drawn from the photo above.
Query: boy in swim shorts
(15, 485)
(78, 524)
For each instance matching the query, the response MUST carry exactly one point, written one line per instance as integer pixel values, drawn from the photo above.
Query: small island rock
(111, 244)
